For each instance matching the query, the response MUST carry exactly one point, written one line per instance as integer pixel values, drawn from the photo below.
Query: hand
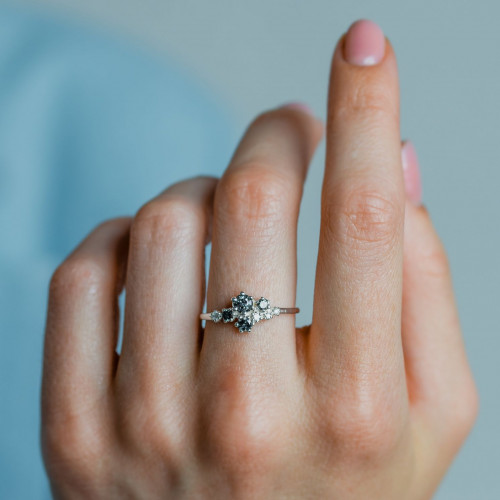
(371, 401)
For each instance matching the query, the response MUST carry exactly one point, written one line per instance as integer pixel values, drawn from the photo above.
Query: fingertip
(364, 47)
(300, 117)
(305, 109)
(363, 90)
(424, 251)
(299, 106)
(417, 217)
(411, 173)
(318, 131)
(364, 44)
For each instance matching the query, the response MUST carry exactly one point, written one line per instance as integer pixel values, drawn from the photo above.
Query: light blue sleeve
(90, 128)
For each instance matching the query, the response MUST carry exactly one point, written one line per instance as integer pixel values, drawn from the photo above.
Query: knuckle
(265, 118)
(152, 420)
(367, 99)
(253, 194)
(74, 277)
(244, 442)
(72, 449)
(283, 119)
(363, 426)
(111, 224)
(79, 274)
(161, 221)
(145, 432)
(117, 226)
(242, 429)
(465, 411)
(361, 218)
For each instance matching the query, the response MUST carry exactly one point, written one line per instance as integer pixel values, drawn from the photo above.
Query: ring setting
(245, 312)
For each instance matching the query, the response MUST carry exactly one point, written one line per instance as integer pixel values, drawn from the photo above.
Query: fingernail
(300, 106)
(364, 44)
(411, 171)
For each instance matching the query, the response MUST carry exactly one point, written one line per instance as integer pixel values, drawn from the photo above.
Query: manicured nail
(300, 106)
(411, 171)
(364, 44)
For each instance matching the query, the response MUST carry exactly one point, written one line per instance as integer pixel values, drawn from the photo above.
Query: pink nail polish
(300, 106)
(364, 44)
(411, 171)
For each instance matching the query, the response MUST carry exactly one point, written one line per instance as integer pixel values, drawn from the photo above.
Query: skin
(372, 400)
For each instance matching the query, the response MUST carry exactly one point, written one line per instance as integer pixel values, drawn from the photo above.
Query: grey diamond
(244, 325)
(242, 303)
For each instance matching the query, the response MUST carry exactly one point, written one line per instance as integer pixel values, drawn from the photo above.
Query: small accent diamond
(276, 311)
(227, 315)
(216, 316)
(263, 304)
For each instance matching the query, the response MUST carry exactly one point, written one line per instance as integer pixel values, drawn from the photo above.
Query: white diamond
(276, 311)
(216, 316)
(263, 303)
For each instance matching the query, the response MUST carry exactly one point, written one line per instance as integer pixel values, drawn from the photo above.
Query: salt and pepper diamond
(245, 324)
(242, 303)
(246, 311)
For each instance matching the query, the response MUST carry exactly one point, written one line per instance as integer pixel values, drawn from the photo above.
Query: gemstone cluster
(245, 312)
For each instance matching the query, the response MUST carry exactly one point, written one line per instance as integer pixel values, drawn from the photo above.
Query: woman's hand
(371, 401)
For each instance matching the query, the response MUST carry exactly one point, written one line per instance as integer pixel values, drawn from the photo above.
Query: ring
(246, 311)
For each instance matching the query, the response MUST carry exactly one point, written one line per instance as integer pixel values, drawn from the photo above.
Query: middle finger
(356, 329)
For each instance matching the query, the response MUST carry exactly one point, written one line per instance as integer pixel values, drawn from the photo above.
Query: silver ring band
(283, 310)
(245, 311)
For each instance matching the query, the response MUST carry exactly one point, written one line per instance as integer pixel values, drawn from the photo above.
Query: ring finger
(256, 208)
